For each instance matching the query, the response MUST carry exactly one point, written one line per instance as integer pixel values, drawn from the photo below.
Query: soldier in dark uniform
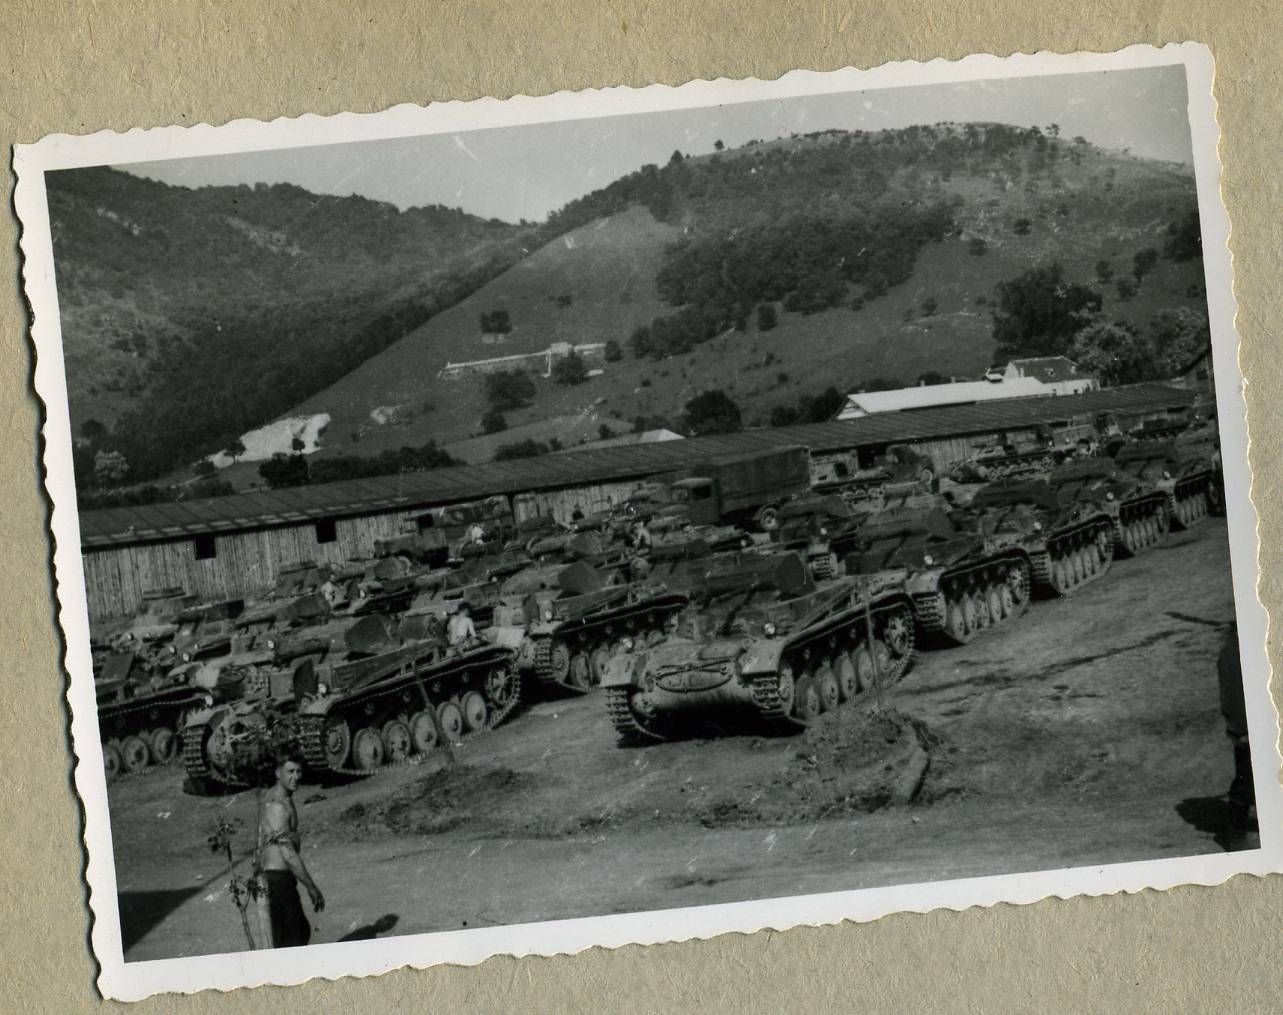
(1242, 794)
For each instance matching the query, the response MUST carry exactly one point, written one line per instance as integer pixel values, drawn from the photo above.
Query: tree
(522, 449)
(1143, 262)
(1177, 336)
(613, 352)
(1021, 226)
(766, 316)
(711, 412)
(493, 422)
(204, 468)
(495, 322)
(1126, 289)
(509, 389)
(717, 145)
(1104, 270)
(570, 369)
(92, 431)
(1038, 312)
(931, 377)
(111, 467)
(1185, 239)
(1115, 353)
(604, 432)
(283, 470)
(235, 449)
(297, 445)
(930, 306)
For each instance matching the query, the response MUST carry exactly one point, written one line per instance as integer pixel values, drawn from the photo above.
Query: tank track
(1043, 573)
(930, 609)
(194, 763)
(623, 719)
(766, 698)
(1188, 507)
(175, 708)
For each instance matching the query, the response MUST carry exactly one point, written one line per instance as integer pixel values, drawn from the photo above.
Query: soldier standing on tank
(1242, 794)
(281, 868)
(459, 629)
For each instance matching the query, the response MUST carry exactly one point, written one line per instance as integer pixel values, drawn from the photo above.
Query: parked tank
(762, 637)
(141, 707)
(379, 699)
(1184, 469)
(841, 473)
(1137, 508)
(1069, 542)
(960, 585)
(156, 620)
(564, 621)
(823, 529)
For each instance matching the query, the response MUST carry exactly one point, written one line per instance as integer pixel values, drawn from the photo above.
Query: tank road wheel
(396, 740)
(450, 716)
(579, 672)
(1007, 602)
(598, 660)
(336, 741)
(134, 754)
(997, 613)
(473, 707)
(864, 671)
(164, 745)
(111, 760)
(558, 662)
(1080, 571)
(955, 622)
(826, 683)
(806, 702)
(367, 749)
(423, 732)
(844, 673)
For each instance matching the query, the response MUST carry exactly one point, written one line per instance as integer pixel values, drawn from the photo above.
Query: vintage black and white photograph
(634, 515)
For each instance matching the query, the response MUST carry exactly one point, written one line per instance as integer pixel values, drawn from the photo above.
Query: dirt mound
(852, 762)
(439, 802)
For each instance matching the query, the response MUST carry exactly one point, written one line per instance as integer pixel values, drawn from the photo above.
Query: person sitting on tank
(459, 630)
(330, 591)
(641, 537)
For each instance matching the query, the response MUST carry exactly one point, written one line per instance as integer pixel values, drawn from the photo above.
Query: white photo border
(136, 980)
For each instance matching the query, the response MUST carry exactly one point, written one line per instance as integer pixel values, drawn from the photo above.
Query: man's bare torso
(278, 827)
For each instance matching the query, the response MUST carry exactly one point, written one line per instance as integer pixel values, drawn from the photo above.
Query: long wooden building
(235, 546)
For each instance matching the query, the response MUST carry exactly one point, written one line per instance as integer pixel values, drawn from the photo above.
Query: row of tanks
(450, 627)
(842, 599)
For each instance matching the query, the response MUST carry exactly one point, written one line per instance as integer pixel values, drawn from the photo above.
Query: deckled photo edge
(140, 979)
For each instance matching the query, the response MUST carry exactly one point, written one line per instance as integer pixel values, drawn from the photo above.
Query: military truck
(564, 621)
(762, 639)
(377, 699)
(960, 583)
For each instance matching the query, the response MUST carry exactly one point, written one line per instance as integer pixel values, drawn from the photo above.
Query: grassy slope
(598, 264)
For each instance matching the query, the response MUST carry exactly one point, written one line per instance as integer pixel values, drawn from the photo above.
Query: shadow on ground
(372, 930)
(141, 911)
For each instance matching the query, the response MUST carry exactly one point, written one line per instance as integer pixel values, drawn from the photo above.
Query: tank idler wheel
(826, 683)
(111, 760)
(336, 742)
(396, 740)
(844, 671)
(897, 633)
(450, 716)
(579, 673)
(134, 754)
(367, 749)
(164, 745)
(423, 732)
(598, 660)
(806, 702)
(473, 707)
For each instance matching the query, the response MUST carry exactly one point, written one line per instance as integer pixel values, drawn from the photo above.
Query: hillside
(253, 296)
(931, 310)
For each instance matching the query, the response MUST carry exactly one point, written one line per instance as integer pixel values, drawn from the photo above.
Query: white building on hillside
(591, 352)
(931, 396)
(1057, 372)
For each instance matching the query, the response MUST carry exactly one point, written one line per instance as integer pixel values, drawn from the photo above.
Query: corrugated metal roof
(265, 508)
(926, 396)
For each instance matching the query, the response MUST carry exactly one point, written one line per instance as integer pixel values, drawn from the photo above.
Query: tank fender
(762, 656)
(624, 670)
(507, 637)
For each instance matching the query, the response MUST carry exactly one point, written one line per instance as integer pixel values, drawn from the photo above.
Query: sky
(526, 172)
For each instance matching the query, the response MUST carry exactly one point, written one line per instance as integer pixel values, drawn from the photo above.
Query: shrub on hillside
(767, 318)
(528, 448)
(495, 322)
(570, 370)
(613, 352)
(1038, 312)
(509, 389)
(1144, 262)
(493, 422)
(711, 412)
(282, 470)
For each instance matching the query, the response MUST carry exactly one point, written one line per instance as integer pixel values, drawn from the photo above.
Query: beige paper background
(78, 68)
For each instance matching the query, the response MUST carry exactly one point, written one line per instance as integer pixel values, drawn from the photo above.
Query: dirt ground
(1087, 732)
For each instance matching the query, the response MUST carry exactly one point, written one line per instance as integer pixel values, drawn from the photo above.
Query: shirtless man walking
(282, 867)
